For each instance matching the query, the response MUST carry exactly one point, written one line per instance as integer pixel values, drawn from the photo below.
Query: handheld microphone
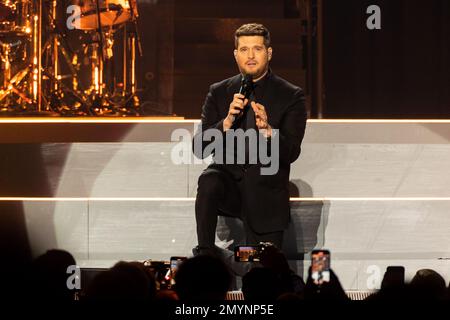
(246, 86)
(246, 90)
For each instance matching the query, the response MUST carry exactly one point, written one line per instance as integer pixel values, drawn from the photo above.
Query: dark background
(400, 71)
(323, 46)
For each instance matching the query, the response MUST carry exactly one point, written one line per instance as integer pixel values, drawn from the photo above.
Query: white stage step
(374, 193)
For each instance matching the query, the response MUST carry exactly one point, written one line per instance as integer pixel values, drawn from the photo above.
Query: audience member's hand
(331, 290)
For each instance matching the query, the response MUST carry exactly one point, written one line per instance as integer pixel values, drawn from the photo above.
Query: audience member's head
(260, 284)
(49, 276)
(124, 281)
(428, 284)
(202, 278)
(150, 277)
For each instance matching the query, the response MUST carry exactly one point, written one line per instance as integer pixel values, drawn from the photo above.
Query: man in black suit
(275, 111)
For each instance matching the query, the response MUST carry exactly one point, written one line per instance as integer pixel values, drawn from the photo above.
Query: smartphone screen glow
(320, 267)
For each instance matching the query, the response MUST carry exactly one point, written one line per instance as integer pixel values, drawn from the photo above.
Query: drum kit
(56, 55)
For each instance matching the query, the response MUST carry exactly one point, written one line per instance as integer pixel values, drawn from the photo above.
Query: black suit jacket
(266, 197)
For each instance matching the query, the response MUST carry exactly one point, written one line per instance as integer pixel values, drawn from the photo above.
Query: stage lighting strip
(149, 120)
(293, 199)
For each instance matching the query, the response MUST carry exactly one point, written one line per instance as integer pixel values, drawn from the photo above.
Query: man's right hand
(236, 106)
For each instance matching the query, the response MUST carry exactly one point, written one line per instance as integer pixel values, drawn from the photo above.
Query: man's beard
(258, 73)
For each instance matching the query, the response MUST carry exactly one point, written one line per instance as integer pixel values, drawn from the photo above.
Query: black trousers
(219, 193)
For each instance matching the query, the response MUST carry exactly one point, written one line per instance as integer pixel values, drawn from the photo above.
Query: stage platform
(374, 192)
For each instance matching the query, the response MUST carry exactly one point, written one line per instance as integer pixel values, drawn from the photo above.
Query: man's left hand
(261, 119)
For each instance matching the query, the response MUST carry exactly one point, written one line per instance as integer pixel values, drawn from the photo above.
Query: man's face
(252, 56)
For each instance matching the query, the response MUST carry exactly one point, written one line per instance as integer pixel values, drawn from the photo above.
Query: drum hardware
(104, 103)
(131, 40)
(45, 79)
(16, 92)
(74, 102)
(56, 47)
(12, 85)
(37, 58)
(99, 50)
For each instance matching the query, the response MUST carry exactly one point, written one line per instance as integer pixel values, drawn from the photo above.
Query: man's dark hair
(252, 29)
